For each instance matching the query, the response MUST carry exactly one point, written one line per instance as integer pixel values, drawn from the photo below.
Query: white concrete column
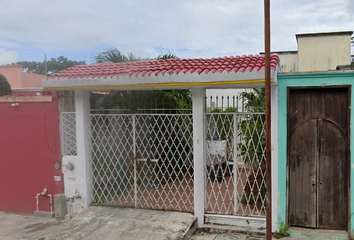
(274, 167)
(82, 165)
(199, 153)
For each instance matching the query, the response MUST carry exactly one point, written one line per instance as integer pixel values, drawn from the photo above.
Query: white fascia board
(181, 80)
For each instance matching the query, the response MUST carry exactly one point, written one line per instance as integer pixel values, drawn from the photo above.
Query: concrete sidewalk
(106, 223)
(200, 235)
(109, 223)
(24, 226)
(223, 232)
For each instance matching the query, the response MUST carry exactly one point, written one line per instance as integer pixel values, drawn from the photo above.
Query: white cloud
(198, 28)
(8, 57)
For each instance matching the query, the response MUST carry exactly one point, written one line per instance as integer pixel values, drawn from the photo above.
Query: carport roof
(170, 73)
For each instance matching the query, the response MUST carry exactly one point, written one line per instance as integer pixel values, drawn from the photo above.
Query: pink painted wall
(19, 79)
(31, 80)
(13, 74)
(29, 147)
(23, 92)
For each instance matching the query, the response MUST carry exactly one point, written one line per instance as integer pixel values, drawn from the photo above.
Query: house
(158, 161)
(317, 52)
(142, 160)
(315, 156)
(314, 127)
(19, 79)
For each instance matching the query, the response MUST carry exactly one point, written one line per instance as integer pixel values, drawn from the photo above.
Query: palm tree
(165, 56)
(175, 100)
(254, 100)
(112, 54)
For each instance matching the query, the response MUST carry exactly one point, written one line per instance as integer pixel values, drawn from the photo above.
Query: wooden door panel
(332, 177)
(336, 108)
(318, 147)
(302, 162)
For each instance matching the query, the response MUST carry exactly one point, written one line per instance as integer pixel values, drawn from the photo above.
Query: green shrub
(5, 88)
(282, 231)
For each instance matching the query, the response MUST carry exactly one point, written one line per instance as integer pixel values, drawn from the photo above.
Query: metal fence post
(199, 153)
(134, 159)
(235, 167)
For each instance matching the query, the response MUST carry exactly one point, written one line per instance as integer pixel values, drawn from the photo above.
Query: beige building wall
(19, 79)
(288, 61)
(323, 51)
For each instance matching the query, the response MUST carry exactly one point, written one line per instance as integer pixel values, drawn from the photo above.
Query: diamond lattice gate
(235, 164)
(68, 133)
(146, 161)
(142, 160)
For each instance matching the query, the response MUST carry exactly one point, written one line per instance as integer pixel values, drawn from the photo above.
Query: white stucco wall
(323, 52)
(288, 61)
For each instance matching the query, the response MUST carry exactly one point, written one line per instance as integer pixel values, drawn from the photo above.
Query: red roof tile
(251, 63)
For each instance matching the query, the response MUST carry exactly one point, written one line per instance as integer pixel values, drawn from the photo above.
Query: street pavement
(109, 223)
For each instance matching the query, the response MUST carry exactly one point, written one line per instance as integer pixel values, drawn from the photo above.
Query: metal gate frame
(152, 144)
(235, 175)
(124, 125)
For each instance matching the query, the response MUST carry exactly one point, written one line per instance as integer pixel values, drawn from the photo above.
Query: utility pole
(268, 119)
(45, 64)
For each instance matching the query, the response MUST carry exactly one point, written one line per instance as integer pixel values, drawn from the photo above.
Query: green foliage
(165, 56)
(282, 231)
(53, 65)
(5, 88)
(108, 187)
(252, 126)
(254, 99)
(223, 122)
(256, 193)
(112, 54)
(253, 143)
(171, 137)
(178, 100)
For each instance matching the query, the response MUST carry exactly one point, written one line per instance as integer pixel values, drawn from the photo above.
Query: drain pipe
(37, 201)
(50, 203)
(45, 193)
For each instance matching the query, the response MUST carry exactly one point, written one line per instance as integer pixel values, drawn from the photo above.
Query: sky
(79, 29)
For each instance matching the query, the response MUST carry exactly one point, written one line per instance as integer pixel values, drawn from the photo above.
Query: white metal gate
(146, 161)
(142, 160)
(235, 164)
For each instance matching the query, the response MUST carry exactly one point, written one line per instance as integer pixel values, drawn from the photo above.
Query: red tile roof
(250, 63)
